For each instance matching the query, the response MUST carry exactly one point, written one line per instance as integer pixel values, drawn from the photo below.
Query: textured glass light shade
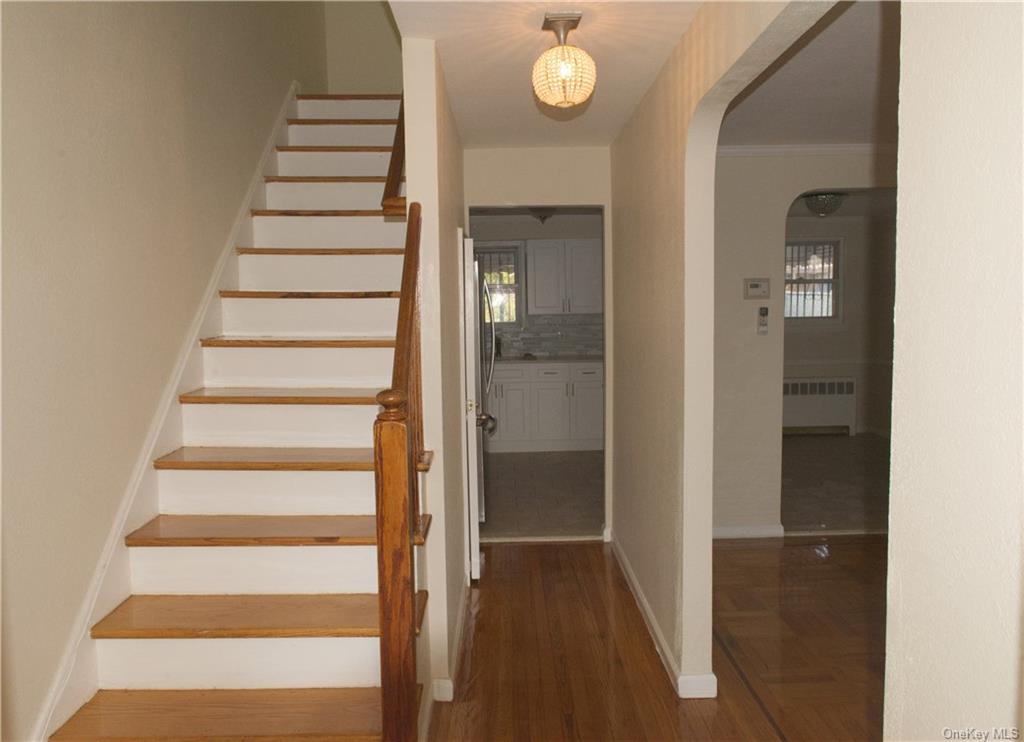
(824, 204)
(564, 76)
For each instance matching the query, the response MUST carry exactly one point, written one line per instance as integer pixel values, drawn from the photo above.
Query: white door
(583, 259)
(545, 277)
(475, 395)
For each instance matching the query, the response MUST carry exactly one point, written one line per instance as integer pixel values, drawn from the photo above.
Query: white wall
(858, 343)
(364, 49)
(132, 131)
(753, 193)
(555, 176)
(953, 634)
(663, 264)
(434, 178)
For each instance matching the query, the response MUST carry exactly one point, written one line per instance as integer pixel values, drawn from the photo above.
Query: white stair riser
(333, 163)
(305, 662)
(328, 231)
(267, 492)
(244, 570)
(344, 134)
(301, 367)
(348, 109)
(310, 317)
(320, 272)
(278, 425)
(324, 195)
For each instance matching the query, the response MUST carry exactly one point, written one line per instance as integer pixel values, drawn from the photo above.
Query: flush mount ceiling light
(564, 75)
(823, 204)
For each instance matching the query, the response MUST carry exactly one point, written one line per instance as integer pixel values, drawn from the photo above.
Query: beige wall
(859, 343)
(452, 210)
(662, 190)
(364, 49)
(953, 633)
(753, 195)
(133, 131)
(434, 178)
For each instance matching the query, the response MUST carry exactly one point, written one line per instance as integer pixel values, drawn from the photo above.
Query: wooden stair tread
(333, 148)
(261, 458)
(341, 122)
(280, 395)
(247, 616)
(310, 714)
(325, 179)
(349, 96)
(231, 294)
(319, 212)
(264, 530)
(320, 250)
(226, 341)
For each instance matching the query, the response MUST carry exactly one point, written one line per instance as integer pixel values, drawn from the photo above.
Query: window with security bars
(500, 269)
(811, 280)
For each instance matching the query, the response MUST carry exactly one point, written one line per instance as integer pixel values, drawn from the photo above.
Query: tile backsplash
(553, 335)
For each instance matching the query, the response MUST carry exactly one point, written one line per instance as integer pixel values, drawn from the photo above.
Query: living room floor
(835, 484)
(543, 495)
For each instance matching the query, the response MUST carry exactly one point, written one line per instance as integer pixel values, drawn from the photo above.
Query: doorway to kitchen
(541, 308)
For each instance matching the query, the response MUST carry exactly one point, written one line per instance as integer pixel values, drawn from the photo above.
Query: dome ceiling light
(823, 204)
(564, 75)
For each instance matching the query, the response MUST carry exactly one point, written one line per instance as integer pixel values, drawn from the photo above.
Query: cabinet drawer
(588, 372)
(510, 372)
(549, 372)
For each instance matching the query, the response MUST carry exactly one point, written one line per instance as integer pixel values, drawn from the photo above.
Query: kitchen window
(813, 285)
(500, 268)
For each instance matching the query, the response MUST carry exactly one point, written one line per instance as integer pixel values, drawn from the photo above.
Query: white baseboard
(759, 531)
(76, 679)
(883, 432)
(686, 686)
(697, 686)
(444, 688)
(607, 535)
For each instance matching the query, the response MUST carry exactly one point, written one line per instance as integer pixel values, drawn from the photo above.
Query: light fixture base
(561, 24)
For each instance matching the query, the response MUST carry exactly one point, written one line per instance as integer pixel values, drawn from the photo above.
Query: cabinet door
(549, 407)
(514, 410)
(583, 259)
(587, 410)
(545, 277)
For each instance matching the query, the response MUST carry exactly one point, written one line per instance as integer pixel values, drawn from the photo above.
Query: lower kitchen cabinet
(547, 407)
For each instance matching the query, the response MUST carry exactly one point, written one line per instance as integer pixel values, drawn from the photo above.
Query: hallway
(556, 648)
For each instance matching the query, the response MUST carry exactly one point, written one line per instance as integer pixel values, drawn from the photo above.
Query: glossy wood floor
(556, 648)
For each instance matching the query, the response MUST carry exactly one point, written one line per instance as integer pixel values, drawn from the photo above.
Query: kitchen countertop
(560, 359)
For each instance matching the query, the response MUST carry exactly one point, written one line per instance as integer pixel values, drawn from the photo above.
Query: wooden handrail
(392, 201)
(398, 448)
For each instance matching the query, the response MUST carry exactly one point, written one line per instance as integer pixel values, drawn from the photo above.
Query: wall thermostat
(756, 288)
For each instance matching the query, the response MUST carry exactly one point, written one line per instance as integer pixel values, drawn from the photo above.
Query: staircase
(273, 597)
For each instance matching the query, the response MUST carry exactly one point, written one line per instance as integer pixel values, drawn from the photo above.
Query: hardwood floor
(556, 648)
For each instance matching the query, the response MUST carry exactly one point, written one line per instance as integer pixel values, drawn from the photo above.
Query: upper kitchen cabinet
(564, 276)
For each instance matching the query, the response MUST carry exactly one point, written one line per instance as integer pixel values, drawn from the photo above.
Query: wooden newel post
(395, 476)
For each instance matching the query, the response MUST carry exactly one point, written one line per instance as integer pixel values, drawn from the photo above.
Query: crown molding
(794, 150)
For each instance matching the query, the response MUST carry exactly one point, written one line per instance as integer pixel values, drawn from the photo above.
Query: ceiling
(487, 50)
(837, 85)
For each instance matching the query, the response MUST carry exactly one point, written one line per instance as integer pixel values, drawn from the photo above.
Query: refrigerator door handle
(490, 313)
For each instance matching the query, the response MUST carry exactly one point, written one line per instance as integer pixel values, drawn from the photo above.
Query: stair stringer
(77, 677)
